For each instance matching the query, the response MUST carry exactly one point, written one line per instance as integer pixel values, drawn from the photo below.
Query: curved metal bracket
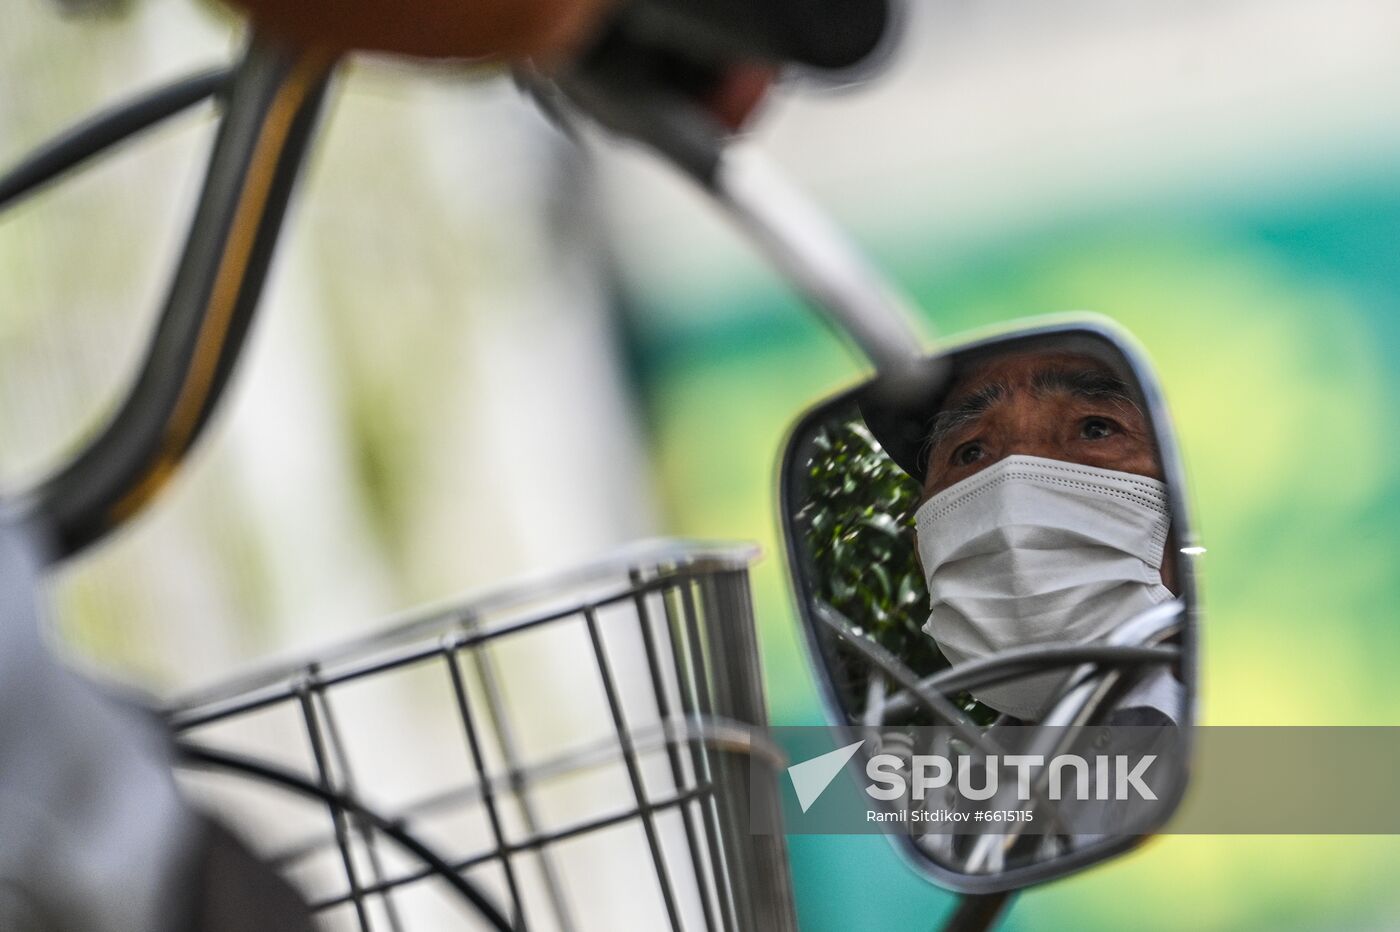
(273, 99)
(104, 130)
(788, 228)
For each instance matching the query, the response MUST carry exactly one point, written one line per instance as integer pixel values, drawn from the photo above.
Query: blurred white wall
(997, 116)
(431, 399)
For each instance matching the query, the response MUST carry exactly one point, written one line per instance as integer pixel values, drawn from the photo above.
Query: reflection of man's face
(1056, 405)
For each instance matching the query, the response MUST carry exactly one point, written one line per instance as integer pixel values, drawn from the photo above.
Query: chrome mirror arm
(813, 254)
(788, 228)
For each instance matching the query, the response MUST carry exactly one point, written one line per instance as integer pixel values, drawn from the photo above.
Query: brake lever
(796, 237)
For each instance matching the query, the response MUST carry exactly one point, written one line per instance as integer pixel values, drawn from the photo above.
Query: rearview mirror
(994, 553)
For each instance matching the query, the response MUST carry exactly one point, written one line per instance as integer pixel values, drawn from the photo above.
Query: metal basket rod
(634, 773)
(684, 621)
(705, 877)
(342, 759)
(229, 701)
(534, 843)
(488, 798)
(732, 651)
(342, 834)
(510, 752)
(446, 619)
(734, 737)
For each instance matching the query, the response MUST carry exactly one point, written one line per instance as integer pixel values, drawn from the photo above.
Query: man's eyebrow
(969, 409)
(1085, 383)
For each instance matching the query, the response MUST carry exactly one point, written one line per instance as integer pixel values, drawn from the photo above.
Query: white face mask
(1032, 551)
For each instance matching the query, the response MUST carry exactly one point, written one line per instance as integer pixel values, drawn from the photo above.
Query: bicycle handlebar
(623, 93)
(273, 98)
(105, 130)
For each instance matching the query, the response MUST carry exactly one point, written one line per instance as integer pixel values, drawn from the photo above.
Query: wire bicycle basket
(575, 750)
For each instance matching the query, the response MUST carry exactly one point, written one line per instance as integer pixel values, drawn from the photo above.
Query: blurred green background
(1251, 242)
(1273, 331)
(481, 353)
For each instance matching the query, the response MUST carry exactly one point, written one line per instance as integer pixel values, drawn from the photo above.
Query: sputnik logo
(811, 777)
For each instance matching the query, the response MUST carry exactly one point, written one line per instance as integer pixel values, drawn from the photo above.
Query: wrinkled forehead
(1034, 372)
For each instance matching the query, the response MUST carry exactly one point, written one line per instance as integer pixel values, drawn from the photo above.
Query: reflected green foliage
(857, 523)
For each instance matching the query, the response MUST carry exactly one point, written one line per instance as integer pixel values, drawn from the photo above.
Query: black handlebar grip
(828, 34)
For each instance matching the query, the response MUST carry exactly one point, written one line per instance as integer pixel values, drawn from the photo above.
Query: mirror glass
(988, 558)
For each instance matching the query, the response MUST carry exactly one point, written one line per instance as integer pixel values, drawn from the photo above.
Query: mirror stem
(821, 262)
(801, 242)
(977, 913)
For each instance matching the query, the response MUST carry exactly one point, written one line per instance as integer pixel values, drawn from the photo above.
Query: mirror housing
(863, 508)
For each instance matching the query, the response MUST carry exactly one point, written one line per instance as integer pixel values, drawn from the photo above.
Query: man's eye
(968, 453)
(1097, 428)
